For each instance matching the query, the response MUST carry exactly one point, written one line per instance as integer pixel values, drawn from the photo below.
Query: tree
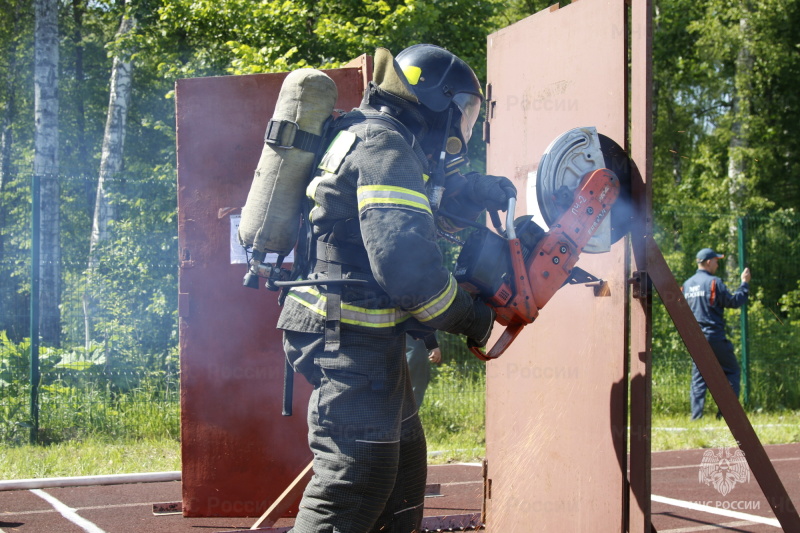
(45, 166)
(78, 11)
(240, 37)
(9, 115)
(110, 164)
(9, 109)
(725, 78)
(515, 10)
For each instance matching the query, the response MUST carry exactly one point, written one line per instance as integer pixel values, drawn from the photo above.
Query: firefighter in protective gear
(373, 223)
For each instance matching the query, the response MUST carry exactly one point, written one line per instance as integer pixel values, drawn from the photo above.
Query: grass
(138, 432)
(89, 457)
(453, 414)
(460, 441)
(676, 432)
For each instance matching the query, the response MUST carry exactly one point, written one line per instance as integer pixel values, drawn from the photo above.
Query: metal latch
(640, 284)
(580, 276)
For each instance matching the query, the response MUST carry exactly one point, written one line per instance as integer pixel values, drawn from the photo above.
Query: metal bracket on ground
(430, 524)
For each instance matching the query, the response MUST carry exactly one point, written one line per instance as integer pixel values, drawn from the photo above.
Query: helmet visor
(470, 107)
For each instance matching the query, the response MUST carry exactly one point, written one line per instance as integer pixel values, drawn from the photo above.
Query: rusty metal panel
(238, 452)
(641, 35)
(556, 400)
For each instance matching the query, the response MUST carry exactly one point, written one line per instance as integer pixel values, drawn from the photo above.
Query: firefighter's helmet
(440, 79)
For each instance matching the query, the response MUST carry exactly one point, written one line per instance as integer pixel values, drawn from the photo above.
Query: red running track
(676, 486)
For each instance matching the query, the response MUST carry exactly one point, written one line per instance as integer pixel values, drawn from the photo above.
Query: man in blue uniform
(708, 297)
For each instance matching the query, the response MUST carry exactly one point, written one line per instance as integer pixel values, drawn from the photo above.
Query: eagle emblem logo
(724, 468)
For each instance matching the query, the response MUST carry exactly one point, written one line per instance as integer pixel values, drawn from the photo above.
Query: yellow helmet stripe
(412, 74)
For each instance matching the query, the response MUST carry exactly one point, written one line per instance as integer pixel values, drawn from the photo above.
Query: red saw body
(517, 275)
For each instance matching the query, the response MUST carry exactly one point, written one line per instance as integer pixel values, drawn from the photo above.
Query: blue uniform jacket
(708, 297)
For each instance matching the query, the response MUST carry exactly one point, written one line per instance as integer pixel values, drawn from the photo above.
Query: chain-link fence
(105, 362)
(113, 368)
(453, 412)
(765, 332)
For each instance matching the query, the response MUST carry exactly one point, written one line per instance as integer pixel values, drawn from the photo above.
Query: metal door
(556, 400)
(238, 452)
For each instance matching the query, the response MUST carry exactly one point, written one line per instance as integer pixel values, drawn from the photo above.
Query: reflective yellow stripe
(312, 299)
(315, 304)
(311, 190)
(438, 305)
(378, 195)
(425, 177)
(337, 151)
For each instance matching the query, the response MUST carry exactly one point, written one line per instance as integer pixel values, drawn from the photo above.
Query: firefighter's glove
(480, 329)
(491, 192)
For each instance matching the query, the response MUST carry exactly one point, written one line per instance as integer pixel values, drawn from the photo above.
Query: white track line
(68, 512)
(678, 467)
(714, 527)
(90, 508)
(715, 510)
(717, 428)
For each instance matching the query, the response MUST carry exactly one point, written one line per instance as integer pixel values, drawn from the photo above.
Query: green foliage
(516, 10)
(15, 362)
(136, 288)
(240, 37)
(722, 77)
(790, 305)
(93, 407)
(80, 397)
(453, 412)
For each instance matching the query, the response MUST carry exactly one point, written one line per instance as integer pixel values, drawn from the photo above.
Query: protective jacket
(371, 220)
(708, 297)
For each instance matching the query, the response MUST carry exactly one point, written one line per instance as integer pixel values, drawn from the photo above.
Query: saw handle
(498, 225)
(500, 346)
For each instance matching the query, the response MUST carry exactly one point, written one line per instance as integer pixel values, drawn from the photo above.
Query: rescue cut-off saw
(517, 270)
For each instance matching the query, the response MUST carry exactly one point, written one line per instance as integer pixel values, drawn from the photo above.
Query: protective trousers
(364, 430)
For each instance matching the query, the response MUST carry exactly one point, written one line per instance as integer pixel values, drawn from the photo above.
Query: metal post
(741, 223)
(34, 325)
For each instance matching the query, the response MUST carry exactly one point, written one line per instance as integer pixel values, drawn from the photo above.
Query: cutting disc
(568, 158)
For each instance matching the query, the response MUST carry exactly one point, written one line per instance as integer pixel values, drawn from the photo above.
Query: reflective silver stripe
(391, 196)
(409, 508)
(410, 417)
(312, 299)
(438, 304)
